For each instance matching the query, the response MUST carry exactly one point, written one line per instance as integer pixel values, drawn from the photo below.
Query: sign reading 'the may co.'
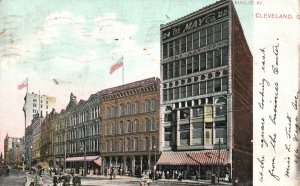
(195, 23)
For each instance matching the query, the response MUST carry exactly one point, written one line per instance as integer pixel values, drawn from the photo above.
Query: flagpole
(123, 71)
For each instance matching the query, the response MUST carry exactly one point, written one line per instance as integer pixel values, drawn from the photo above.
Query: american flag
(116, 66)
(23, 84)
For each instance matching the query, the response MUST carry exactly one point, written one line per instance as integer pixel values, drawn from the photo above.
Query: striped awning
(81, 158)
(204, 157)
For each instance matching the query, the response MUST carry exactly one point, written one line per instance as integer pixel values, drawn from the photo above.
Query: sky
(65, 46)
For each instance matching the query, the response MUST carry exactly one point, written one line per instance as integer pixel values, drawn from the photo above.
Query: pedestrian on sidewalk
(41, 182)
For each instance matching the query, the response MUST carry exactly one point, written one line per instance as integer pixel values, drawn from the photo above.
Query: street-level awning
(98, 161)
(81, 158)
(204, 157)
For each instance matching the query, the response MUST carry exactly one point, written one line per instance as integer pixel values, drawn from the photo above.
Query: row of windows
(129, 109)
(128, 127)
(197, 133)
(91, 146)
(79, 133)
(130, 144)
(195, 89)
(206, 36)
(196, 63)
(79, 117)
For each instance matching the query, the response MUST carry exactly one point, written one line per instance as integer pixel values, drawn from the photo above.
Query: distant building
(77, 135)
(206, 108)
(47, 137)
(35, 103)
(36, 138)
(12, 151)
(130, 126)
(28, 146)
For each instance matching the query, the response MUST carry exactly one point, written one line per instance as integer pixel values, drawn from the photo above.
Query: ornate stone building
(47, 127)
(12, 151)
(206, 72)
(130, 126)
(77, 134)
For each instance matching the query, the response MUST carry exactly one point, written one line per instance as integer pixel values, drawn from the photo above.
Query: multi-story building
(35, 103)
(12, 150)
(130, 126)
(206, 72)
(77, 135)
(36, 138)
(28, 146)
(47, 127)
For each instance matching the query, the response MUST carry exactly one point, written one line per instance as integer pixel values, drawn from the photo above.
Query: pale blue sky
(76, 41)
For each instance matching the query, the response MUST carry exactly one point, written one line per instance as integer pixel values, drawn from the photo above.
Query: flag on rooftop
(117, 65)
(23, 84)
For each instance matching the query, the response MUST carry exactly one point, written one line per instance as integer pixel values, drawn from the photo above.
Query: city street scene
(126, 92)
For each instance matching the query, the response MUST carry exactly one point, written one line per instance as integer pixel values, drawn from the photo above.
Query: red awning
(205, 157)
(98, 161)
(81, 158)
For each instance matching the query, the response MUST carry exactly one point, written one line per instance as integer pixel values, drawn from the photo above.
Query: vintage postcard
(173, 92)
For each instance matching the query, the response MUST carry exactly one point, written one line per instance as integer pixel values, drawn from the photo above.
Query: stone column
(141, 164)
(133, 165)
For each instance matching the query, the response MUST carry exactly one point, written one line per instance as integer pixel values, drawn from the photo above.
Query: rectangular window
(189, 90)
(225, 30)
(183, 44)
(183, 92)
(217, 59)
(210, 31)
(202, 61)
(189, 65)
(195, 40)
(177, 46)
(165, 95)
(165, 71)
(224, 83)
(210, 61)
(198, 134)
(210, 86)
(168, 137)
(202, 88)
(177, 65)
(195, 89)
(218, 85)
(128, 108)
(198, 111)
(189, 42)
(171, 53)
(170, 70)
(165, 50)
(176, 93)
(196, 63)
(202, 37)
(183, 67)
(170, 94)
(217, 36)
(225, 56)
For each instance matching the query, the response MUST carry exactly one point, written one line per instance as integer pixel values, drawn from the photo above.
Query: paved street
(15, 178)
(124, 181)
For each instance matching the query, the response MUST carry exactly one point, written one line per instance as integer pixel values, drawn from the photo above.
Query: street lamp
(154, 167)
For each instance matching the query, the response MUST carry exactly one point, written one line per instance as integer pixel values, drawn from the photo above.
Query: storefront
(190, 163)
(93, 164)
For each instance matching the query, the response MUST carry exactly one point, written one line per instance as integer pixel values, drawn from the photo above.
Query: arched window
(136, 125)
(153, 105)
(147, 124)
(221, 107)
(129, 126)
(136, 107)
(147, 105)
(153, 127)
(153, 142)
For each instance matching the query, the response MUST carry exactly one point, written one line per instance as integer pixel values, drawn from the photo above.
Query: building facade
(35, 103)
(36, 139)
(130, 126)
(206, 72)
(47, 127)
(28, 146)
(77, 135)
(12, 151)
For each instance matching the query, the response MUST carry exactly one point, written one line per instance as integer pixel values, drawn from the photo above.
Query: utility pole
(219, 160)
